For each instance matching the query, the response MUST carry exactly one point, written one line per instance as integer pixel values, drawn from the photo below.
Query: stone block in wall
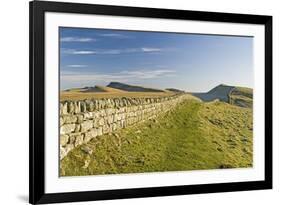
(61, 121)
(69, 147)
(83, 106)
(115, 116)
(98, 104)
(68, 119)
(114, 126)
(88, 115)
(60, 108)
(110, 119)
(64, 140)
(123, 116)
(70, 107)
(101, 122)
(121, 110)
(108, 103)
(72, 138)
(76, 139)
(96, 114)
(90, 135)
(99, 130)
(63, 108)
(123, 123)
(128, 102)
(119, 117)
(63, 152)
(103, 103)
(102, 113)
(77, 128)
(90, 105)
(67, 128)
(79, 140)
(80, 118)
(86, 125)
(110, 128)
(96, 123)
(119, 125)
(105, 129)
(116, 102)
(77, 107)
(95, 104)
(121, 103)
(105, 118)
(109, 111)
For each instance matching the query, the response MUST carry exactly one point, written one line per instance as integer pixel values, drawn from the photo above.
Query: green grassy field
(193, 136)
(78, 95)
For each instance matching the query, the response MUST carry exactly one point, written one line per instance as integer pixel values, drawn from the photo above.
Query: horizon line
(220, 84)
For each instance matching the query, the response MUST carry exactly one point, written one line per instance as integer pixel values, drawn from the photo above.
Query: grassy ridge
(241, 96)
(77, 95)
(194, 135)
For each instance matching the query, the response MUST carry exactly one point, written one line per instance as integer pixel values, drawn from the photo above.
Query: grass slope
(78, 95)
(241, 96)
(193, 136)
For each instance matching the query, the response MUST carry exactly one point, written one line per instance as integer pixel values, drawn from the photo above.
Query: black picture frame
(37, 193)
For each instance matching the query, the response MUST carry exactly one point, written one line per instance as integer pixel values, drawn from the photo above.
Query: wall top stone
(89, 105)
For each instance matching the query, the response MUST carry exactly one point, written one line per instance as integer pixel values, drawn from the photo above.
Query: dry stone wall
(81, 121)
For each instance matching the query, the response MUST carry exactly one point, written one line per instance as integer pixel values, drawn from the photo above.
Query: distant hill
(175, 90)
(113, 90)
(239, 96)
(132, 88)
(92, 89)
(98, 88)
(219, 92)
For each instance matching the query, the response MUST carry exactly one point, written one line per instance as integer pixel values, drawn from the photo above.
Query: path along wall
(80, 121)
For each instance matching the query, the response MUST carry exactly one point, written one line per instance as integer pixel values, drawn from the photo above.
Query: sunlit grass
(193, 136)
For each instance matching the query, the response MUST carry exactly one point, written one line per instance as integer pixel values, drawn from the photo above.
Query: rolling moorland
(212, 130)
(113, 90)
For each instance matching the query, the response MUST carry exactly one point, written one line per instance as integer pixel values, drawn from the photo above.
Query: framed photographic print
(140, 102)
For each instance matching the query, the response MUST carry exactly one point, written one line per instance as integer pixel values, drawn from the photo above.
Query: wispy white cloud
(123, 76)
(92, 52)
(76, 39)
(83, 52)
(113, 51)
(76, 66)
(78, 52)
(70, 76)
(145, 49)
(114, 35)
(148, 74)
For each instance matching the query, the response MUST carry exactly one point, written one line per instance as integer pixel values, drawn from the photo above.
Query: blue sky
(191, 62)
